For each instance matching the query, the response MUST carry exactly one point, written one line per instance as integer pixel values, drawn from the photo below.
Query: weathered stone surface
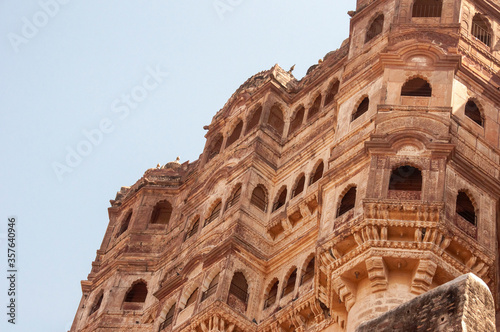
(463, 304)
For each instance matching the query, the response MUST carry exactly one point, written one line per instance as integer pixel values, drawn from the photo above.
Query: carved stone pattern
(404, 195)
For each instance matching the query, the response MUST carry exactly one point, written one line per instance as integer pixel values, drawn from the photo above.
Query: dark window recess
(332, 92)
(281, 200)
(481, 29)
(138, 293)
(362, 108)
(235, 134)
(465, 208)
(235, 197)
(314, 110)
(276, 119)
(192, 298)
(272, 295)
(239, 287)
(406, 178)
(427, 8)
(290, 284)
(161, 213)
(309, 272)
(318, 173)
(97, 304)
(416, 87)
(254, 119)
(348, 201)
(472, 111)
(259, 198)
(375, 28)
(124, 224)
(168, 319)
(215, 214)
(299, 187)
(216, 147)
(194, 229)
(297, 120)
(212, 288)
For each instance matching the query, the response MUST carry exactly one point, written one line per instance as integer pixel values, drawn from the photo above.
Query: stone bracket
(423, 276)
(377, 273)
(345, 292)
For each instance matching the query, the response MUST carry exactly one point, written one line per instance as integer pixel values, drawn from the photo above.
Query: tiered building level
(321, 203)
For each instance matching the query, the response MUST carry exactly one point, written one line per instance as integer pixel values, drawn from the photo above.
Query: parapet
(463, 304)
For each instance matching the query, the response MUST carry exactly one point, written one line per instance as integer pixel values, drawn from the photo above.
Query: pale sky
(96, 92)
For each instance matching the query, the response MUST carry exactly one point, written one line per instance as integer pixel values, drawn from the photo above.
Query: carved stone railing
(403, 210)
(406, 195)
(218, 317)
(298, 315)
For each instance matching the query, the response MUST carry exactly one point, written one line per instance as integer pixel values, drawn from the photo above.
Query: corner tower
(320, 203)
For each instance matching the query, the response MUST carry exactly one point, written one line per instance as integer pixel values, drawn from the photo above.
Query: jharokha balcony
(409, 210)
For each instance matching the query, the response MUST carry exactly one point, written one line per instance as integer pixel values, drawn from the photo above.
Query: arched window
(332, 92)
(375, 28)
(276, 119)
(161, 213)
(481, 29)
(281, 200)
(314, 110)
(348, 201)
(259, 198)
(297, 120)
(235, 197)
(271, 295)
(308, 273)
(124, 224)
(406, 178)
(192, 298)
(214, 214)
(212, 288)
(416, 87)
(235, 134)
(169, 318)
(194, 229)
(299, 187)
(465, 208)
(290, 283)
(472, 111)
(362, 108)
(215, 147)
(97, 303)
(137, 293)
(254, 119)
(318, 173)
(238, 290)
(427, 8)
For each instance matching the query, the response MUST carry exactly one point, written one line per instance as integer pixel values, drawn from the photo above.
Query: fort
(321, 203)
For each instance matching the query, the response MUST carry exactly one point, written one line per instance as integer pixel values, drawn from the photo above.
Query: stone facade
(321, 203)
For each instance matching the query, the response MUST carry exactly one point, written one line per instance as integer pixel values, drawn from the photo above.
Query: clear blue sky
(71, 67)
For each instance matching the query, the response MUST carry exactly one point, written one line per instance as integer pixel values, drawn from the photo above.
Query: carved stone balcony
(403, 210)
